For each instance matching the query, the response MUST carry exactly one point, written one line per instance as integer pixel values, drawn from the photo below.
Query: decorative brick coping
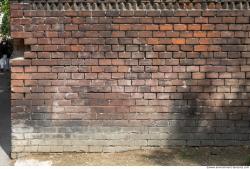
(96, 5)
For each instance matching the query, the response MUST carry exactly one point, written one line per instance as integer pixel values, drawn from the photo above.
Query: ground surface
(181, 156)
(4, 118)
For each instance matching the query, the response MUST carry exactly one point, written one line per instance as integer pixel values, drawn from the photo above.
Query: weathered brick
(106, 81)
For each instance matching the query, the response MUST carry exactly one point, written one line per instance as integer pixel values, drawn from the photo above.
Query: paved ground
(5, 128)
(211, 156)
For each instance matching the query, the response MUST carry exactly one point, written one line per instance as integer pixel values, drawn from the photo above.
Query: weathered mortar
(104, 77)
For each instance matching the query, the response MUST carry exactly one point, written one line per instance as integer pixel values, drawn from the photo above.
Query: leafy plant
(247, 161)
(5, 27)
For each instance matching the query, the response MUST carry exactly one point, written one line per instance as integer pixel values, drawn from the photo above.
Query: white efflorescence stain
(184, 85)
(32, 163)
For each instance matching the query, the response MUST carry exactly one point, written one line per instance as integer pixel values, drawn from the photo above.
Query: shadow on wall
(216, 110)
(5, 115)
(213, 111)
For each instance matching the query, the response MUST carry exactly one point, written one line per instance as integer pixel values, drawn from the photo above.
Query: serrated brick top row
(103, 5)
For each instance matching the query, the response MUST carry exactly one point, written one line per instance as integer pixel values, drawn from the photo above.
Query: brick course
(98, 78)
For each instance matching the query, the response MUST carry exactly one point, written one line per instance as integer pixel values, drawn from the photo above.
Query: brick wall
(104, 77)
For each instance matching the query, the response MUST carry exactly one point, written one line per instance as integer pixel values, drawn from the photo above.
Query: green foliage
(5, 28)
(247, 161)
(5, 6)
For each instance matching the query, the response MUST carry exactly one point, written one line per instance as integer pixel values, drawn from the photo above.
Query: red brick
(30, 41)
(30, 69)
(173, 19)
(58, 41)
(78, 20)
(43, 76)
(200, 34)
(245, 68)
(187, 48)
(20, 89)
(166, 27)
(118, 34)
(215, 20)
(17, 70)
(21, 35)
(178, 41)
(206, 27)
(71, 27)
(193, 69)
(50, 48)
(201, 48)
(20, 76)
(228, 19)
(123, 68)
(20, 62)
(213, 68)
(159, 20)
(44, 69)
(173, 48)
(71, 41)
(194, 27)
(198, 75)
(30, 55)
(51, 34)
(152, 41)
(187, 20)
(44, 41)
(17, 83)
(213, 34)
(77, 48)
(159, 34)
(201, 20)
(179, 69)
(43, 55)
(242, 20)
(180, 27)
